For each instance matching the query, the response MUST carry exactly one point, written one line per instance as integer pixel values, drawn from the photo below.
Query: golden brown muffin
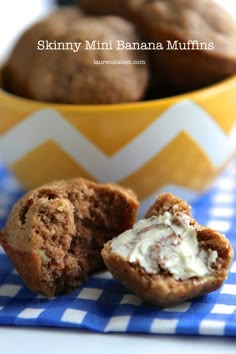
(55, 233)
(17, 69)
(122, 8)
(92, 75)
(175, 22)
(47, 66)
(168, 257)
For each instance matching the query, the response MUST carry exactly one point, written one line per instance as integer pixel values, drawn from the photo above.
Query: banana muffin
(168, 257)
(124, 8)
(17, 70)
(78, 63)
(198, 38)
(96, 74)
(55, 233)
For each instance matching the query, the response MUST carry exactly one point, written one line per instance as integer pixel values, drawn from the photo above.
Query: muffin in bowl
(72, 58)
(178, 143)
(198, 40)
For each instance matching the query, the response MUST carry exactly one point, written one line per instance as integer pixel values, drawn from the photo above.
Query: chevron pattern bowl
(177, 144)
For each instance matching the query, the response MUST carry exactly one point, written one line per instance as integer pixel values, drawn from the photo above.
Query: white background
(15, 15)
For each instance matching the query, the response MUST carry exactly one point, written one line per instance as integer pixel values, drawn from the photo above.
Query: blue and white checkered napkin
(103, 305)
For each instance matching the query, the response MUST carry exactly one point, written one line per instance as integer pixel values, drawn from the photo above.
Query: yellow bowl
(179, 144)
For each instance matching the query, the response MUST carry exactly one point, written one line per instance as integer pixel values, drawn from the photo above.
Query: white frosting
(166, 242)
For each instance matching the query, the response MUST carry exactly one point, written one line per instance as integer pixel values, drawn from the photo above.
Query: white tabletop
(14, 17)
(39, 341)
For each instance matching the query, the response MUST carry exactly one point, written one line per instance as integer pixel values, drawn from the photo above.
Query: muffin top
(203, 20)
(92, 75)
(122, 8)
(16, 70)
(72, 58)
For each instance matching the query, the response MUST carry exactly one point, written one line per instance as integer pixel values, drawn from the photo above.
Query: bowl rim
(205, 91)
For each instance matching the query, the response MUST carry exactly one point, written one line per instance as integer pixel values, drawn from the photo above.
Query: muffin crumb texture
(168, 257)
(55, 233)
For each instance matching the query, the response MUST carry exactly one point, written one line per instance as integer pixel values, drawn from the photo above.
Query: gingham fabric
(103, 305)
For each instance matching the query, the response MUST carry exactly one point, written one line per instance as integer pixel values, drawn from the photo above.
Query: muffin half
(168, 257)
(55, 233)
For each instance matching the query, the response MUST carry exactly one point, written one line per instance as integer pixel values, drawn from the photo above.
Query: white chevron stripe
(181, 192)
(184, 116)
